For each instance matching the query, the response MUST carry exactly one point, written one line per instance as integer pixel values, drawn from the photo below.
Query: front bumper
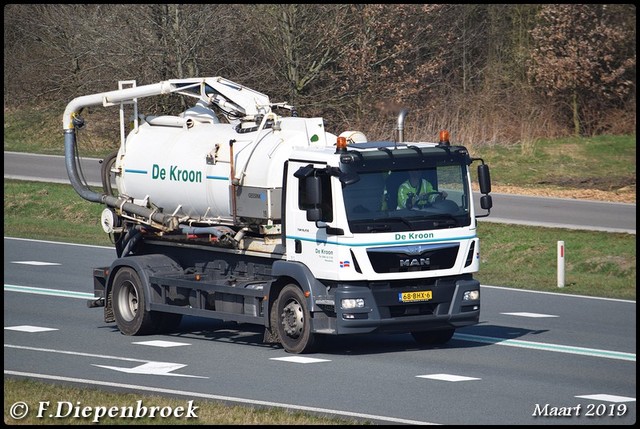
(385, 312)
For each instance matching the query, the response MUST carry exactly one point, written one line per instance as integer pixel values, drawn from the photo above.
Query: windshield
(425, 197)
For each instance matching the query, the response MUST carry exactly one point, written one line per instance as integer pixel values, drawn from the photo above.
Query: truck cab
(384, 268)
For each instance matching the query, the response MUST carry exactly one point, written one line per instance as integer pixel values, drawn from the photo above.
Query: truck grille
(399, 259)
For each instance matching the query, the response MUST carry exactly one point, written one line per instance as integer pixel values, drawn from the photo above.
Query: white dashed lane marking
(301, 359)
(607, 398)
(29, 328)
(525, 314)
(153, 368)
(447, 377)
(159, 343)
(36, 263)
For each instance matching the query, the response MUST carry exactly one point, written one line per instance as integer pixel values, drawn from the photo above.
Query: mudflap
(270, 336)
(270, 332)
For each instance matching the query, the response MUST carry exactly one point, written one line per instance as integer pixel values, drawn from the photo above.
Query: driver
(416, 192)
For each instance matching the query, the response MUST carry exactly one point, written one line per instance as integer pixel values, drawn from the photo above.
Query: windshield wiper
(400, 219)
(378, 227)
(444, 222)
(442, 219)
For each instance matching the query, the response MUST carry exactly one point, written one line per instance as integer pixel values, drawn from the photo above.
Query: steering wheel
(440, 196)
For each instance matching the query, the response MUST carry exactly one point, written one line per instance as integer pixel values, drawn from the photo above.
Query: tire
(430, 338)
(294, 321)
(166, 322)
(129, 304)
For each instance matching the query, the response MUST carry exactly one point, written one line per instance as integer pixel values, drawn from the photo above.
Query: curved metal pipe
(203, 230)
(131, 243)
(72, 169)
(169, 121)
(403, 113)
(108, 98)
(69, 127)
(255, 143)
(85, 192)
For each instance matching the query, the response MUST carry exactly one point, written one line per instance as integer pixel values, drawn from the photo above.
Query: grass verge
(50, 404)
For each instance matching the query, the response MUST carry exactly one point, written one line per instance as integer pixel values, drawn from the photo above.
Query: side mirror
(484, 178)
(314, 215)
(313, 191)
(312, 198)
(486, 202)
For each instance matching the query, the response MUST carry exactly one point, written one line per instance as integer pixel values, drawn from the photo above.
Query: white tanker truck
(233, 212)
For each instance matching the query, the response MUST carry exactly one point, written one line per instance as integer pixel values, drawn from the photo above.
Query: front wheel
(294, 321)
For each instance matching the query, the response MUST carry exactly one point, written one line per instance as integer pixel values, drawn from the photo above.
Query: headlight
(471, 295)
(349, 303)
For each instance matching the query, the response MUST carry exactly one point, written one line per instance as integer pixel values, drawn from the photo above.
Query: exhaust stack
(401, 116)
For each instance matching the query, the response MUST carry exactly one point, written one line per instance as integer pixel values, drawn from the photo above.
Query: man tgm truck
(230, 210)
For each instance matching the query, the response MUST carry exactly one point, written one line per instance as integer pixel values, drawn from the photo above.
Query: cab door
(310, 237)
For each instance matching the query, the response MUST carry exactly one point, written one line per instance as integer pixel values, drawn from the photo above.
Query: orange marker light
(341, 144)
(444, 136)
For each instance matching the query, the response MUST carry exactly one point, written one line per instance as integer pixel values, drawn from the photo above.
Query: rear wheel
(129, 303)
(166, 322)
(294, 321)
(428, 338)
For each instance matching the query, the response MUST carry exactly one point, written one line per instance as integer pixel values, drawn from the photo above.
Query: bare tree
(298, 42)
(455, 65)
(55, 56)
(582, 57)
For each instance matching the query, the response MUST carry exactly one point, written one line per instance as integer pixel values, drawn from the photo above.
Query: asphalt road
(534, 358)
(507, 208)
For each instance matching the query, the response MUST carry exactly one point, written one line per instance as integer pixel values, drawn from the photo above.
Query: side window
(366, 195)
(451, 179)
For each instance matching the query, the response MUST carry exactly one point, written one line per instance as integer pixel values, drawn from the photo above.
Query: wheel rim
(128, 301)
(292, 319)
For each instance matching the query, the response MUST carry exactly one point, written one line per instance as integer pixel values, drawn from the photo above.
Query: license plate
(423, 295)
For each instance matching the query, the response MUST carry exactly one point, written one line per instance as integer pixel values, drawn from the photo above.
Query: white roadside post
(560, 263)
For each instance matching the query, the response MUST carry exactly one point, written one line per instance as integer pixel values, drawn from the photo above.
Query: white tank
(183, 166)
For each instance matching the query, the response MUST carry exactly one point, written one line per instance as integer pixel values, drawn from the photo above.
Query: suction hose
(167, 221)
(70, 121)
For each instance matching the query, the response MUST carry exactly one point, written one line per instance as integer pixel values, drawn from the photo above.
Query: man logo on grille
(422, 262)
